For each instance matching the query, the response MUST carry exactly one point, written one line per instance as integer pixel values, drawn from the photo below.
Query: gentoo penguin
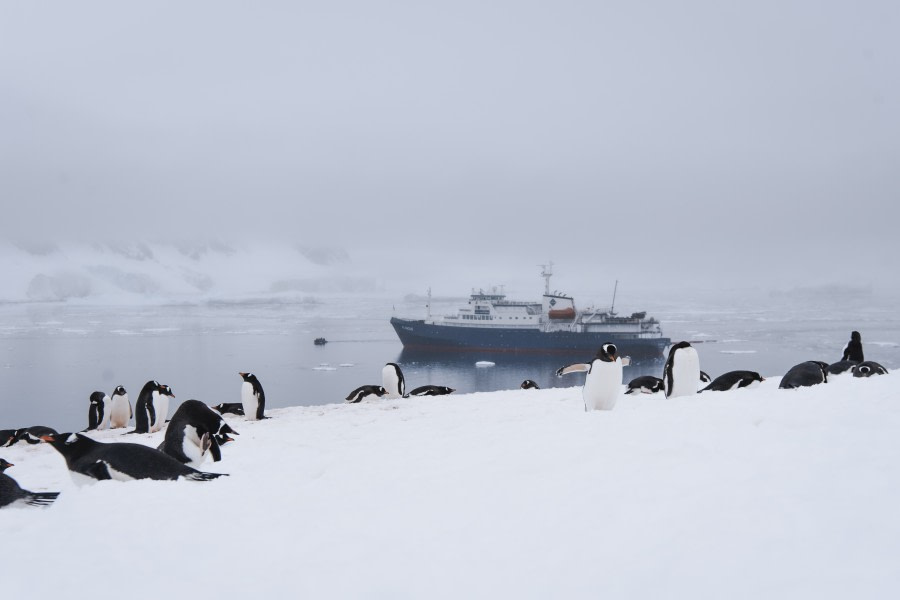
(432, 390)
(253, 398)
(194, 429)
(868, 368)
(392, 380)
(811, 372)
(235, 408)
(120, 408)
(120, 461)
(145, 407)
(645, 384)
(34, 434)
(7, 437)
(98, 413)
(11, 493)
(733, 380)
(682, 371)
(853, 350)
(161, 407)
(364, 391)
(529, 385)
(604, 378)
(840, 367)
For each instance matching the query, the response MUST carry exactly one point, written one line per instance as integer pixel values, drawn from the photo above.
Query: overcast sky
(667, 140)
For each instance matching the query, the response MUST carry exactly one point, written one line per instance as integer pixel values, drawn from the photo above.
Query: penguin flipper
(204, 476)
(40, 498)
(214, 449)
(98, 471)
(576, 368)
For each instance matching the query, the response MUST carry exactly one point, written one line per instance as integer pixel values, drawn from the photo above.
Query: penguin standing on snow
(161, 407)
(120, 461)
(645, 384)
(733, 380)
(253, 397)
(11, 493)
(853, 350)
(811, 372)
(604, 378)
(98, 412)
(119, 408)
(194, 429)
(682, 371)
(364, 391)
(145, 407)
(392, 380)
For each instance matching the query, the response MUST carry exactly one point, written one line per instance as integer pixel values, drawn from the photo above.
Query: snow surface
(751, 493)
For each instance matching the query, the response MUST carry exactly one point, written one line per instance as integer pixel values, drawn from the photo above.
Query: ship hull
(418, 335)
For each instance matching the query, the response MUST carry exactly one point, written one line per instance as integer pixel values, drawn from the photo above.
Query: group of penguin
(193, 431)
(393, 385)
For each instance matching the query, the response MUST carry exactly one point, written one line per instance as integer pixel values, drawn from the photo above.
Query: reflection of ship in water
(490, 322)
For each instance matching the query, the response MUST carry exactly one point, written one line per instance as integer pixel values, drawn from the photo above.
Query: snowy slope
(753, 493)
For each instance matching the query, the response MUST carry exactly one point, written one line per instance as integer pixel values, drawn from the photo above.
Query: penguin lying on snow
(98, 411)
(604, 378)
(431, 390)
(121, 461)
(733, 380)
(33, 435)
(645, 384)
(811, 372)
(840, 367)
(529, 385)
(119, 408)
(869, 368)
(253, 398)
(11, 493)
(234, 408)
(392, 380)
(194, 429)
(682, 371)
(364, 391)
(7, 437)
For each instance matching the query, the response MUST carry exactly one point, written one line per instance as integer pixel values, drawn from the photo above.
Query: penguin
(704, 377)
(364, 391)
(646, 384)
(98, 415)
(392, 380)
(144, 407)
(88, 459)
(811, 372)
(11, 493)
(235, 408)
(682, 371)
(853, 350)
(431, 390)
(34, 434)
(119, 408)
(868, 368)
(253, 398)
(7, 437)
(733, 380)
(194, 429)
(529, 385)
(840, 367)
(161, 407)
(603, 381)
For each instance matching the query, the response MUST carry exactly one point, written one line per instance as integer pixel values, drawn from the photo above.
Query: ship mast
(546, 273)
(428, 306)
(612, 309)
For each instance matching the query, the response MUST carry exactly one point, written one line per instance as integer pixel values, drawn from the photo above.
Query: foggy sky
(677, 141)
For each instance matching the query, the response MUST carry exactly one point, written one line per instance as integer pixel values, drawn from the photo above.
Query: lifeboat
(562, 313)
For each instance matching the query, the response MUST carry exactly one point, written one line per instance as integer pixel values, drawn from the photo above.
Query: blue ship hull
(418, 335)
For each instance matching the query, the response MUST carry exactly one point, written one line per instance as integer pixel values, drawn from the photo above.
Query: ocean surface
(54, 355)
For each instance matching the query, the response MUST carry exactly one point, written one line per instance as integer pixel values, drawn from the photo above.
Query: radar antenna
(546, 273)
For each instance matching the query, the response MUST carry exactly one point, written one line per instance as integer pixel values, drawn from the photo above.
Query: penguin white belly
(107, 410)
(602, 385)
(119, 412)
(161, 405)
(191, 446)
(249, 401)
(390, 382)
(685, 373)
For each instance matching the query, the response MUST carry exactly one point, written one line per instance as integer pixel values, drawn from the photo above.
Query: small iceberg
(485, 363)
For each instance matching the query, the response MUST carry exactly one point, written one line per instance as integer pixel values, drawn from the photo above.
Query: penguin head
(119, 391)
(165, 390)
(248, 377)
(608, 353)
(97, 397)
(863, 370)
(854, 335)
(5, 465)
(70, 445)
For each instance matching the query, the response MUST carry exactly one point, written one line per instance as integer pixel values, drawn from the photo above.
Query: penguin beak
(9, 465)
(242, 374)
(48, 438)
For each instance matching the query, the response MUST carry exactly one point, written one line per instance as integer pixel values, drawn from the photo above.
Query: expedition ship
(490, 322)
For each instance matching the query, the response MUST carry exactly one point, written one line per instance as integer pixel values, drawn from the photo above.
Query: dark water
(52, 356)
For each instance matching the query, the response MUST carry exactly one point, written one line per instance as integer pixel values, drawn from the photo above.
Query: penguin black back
(811, 372)
(191, 423)
(96, 410)
(34, 434)
(854, 350)
(528, 384)
(235, 408)
(363, 391)
(144, 411)
(432, 390)
(733, 380)
(646, 384)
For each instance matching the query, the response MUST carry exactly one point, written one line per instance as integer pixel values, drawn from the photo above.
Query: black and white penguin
(119, 408)
(733, 380)
(34, 434)
(853, 350)
(7, 437)
(603, 381)
(234, 408)
(253, 398)
(364, 391)
(432, 390)
(682, 371)
(811, 372)
(120, 461)
(645, 384)
(528, 384)
(392, 380)
(12, 494)
(145, 407)
(194, 429)
(841, 367)
(868, 368)
(161, 407)
(98, 413)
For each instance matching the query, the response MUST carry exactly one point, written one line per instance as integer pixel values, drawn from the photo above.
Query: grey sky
(661, 138)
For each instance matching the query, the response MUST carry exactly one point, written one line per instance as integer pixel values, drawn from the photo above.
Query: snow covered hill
(752, 493)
